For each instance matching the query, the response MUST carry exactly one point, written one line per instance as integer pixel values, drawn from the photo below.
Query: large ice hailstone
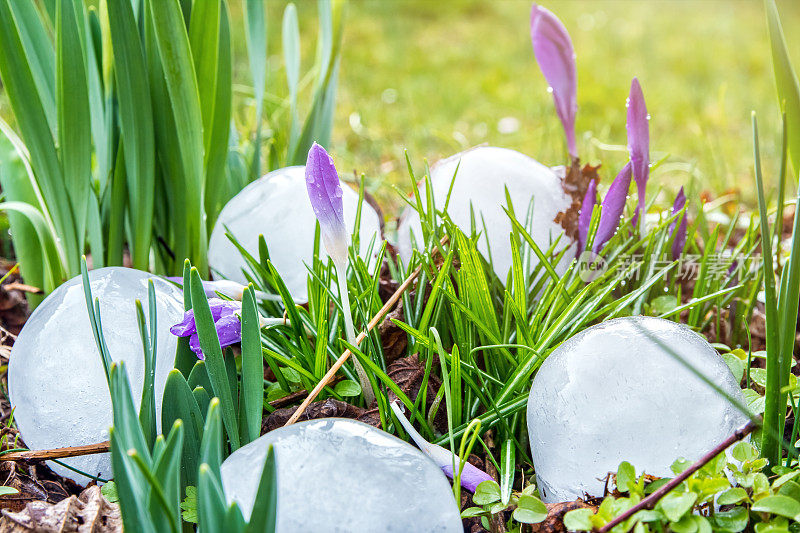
(614, 393)
(277, 206)
(56, 380)
(336, 474)
(480, 185)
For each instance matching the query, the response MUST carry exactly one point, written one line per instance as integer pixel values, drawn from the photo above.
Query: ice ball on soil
(56, 381)
(277, 206)
(613, 393)
(480, 185)
(336, 474)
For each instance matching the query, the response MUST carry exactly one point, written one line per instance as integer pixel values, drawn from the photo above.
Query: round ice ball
(480, 185)
(56, 380)
(614, 393)
(277, 206)
(362, 479)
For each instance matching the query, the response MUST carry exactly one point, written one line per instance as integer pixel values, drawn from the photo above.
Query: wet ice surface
(56, 380)
(277, 206)
(483, 175)
(339, 475)
(612, 394)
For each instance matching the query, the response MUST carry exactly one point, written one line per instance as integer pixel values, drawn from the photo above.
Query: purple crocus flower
(325, 193)
(226, 321)
(585, 216)
(638, 140)
(680, 236)
(556, 58)
(225, 314)
(612, 208)
(471, 476)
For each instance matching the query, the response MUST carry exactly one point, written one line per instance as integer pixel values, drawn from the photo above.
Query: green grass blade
(181, 84)
(179, 403)
(21, 88)
(136, 126)
(290, 34)
(74, 124)
(265, 507)
(785, 81)
(774, 413)
(256, 36)
(251, 402)
(214, 362)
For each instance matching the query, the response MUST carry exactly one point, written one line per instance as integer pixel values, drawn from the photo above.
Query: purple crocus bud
(638, 140)
(325, 193)
(612, 208)
(556, 58)
(471, 476)
(680, 236)
(585, 216)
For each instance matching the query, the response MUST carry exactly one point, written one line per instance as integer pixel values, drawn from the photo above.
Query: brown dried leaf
(329, 408)
(409, 373)
(554, 523)
(576, 182)
(394, 339)
(88, 513)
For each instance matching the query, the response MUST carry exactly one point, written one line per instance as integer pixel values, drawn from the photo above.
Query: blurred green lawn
(436, 77)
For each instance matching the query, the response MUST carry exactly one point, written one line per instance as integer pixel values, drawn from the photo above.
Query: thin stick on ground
(651, 501)
(388, 306)
(56, 453)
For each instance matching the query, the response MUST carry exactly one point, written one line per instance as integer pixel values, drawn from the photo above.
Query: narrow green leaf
(265, 506)
(72, 102)
(251, 402)
(136, 125)
(215, 364)
(785, 81)
(180, 404)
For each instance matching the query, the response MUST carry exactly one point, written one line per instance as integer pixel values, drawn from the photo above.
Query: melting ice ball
(56, 380)
(480, 185)
(613, 393)
(341, 475)
(277, 206)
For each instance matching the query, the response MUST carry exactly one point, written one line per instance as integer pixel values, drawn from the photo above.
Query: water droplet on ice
(369, 479)
(614, 393)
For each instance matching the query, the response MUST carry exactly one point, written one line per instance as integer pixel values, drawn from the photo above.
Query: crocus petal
(194, 345)
(471, 476)
(185, 327)
(221, 308)
(229, 330)
(325, 193)
(638, 139)
(585, 216)
(612, 208)
(556, 58)
(680, 236)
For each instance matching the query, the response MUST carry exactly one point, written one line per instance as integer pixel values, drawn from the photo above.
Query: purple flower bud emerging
(325, 193)
(471, 476)
(226, 321)
(639, 139)
(556, 58)
(680, 236)
(585, 216)
(612, 208)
